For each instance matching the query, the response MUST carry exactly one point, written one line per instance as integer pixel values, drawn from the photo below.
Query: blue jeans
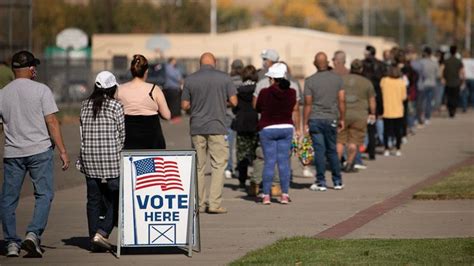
(420, 106)
(463, 99)
(411, 114)
(276, 146)
(40, 167)
(324, 134)
(439, 95)
(379, 125)
(429, 95)
(470, 89)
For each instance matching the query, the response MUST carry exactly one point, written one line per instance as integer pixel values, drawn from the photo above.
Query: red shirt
(276, 106)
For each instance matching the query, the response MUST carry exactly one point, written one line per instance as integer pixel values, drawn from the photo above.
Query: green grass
(311, 251)
(459, 185)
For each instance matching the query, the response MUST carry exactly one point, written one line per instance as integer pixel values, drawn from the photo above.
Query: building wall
(296, 47)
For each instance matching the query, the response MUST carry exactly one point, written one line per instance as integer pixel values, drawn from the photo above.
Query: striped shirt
(102, 139)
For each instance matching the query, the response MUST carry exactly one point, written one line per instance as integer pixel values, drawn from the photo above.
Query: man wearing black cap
(373, 69)
(28, 109)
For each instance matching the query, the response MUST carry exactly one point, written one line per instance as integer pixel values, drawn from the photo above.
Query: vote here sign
(156, 199)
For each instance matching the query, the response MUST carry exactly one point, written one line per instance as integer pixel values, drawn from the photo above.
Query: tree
(302, 14)
(231, 17)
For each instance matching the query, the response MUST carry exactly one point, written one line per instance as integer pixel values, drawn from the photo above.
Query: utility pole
(401, 26)
(365, 18)
(467, 44)
(455, 22)
(30, 25)
(10, 26)
(213, 17)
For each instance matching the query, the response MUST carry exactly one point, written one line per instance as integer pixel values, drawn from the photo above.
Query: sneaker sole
(31, 249)
(102, 245)
(319, 189)
(13, 255)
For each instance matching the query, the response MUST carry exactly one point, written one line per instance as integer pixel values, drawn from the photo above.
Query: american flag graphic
(157, 172)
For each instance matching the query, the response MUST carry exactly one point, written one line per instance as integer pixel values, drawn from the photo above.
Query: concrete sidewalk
(248, 225)
(422, 219)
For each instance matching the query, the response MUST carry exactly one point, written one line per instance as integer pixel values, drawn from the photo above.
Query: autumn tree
(302, 14)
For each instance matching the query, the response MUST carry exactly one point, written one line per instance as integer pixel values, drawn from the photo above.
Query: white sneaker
(101, 241)
(316, 187)
(13, 250)
(360, 166)
(427, 122)
(32, 245)
(398, 153)
(404, 140)
(228, 174)
(338, 187)
(386, 153)
(307, 172)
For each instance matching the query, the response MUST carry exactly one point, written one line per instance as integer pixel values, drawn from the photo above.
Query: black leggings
(452, 94)
(392, 127)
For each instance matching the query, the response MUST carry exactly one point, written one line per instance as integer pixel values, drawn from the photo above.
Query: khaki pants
(218, 149)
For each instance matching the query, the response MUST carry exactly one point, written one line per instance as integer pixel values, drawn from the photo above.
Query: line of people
(344, 112)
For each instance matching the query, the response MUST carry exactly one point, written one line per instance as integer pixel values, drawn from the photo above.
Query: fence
(72, 80)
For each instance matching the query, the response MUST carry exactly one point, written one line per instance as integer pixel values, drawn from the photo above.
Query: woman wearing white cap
(277, 105)
(102, 139)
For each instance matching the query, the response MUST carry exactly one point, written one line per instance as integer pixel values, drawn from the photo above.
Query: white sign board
(468, 67)
(158, 200)
(72, 38)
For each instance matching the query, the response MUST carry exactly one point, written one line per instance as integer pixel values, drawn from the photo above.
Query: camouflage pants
(246, 145)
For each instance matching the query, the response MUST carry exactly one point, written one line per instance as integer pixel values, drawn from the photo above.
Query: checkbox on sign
(162, 234)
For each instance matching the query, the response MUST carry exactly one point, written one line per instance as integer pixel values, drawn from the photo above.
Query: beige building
(296, 46)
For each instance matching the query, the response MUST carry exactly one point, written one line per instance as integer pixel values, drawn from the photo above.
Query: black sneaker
(350, 169)
(32, 246)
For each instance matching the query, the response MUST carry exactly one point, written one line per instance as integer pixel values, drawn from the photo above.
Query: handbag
(304, 150)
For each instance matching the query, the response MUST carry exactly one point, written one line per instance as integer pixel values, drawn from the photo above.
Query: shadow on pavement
(294, 185)
(153, 251)
(232, 186)
(82, 242)
(3, 248)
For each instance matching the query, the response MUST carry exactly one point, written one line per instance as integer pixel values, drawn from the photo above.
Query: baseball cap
(277, 70)
(237, 63)
(105, 80)
(24, 59)
(270, 54)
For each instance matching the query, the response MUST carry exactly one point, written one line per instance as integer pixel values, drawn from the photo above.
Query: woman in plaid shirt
(102, 139)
